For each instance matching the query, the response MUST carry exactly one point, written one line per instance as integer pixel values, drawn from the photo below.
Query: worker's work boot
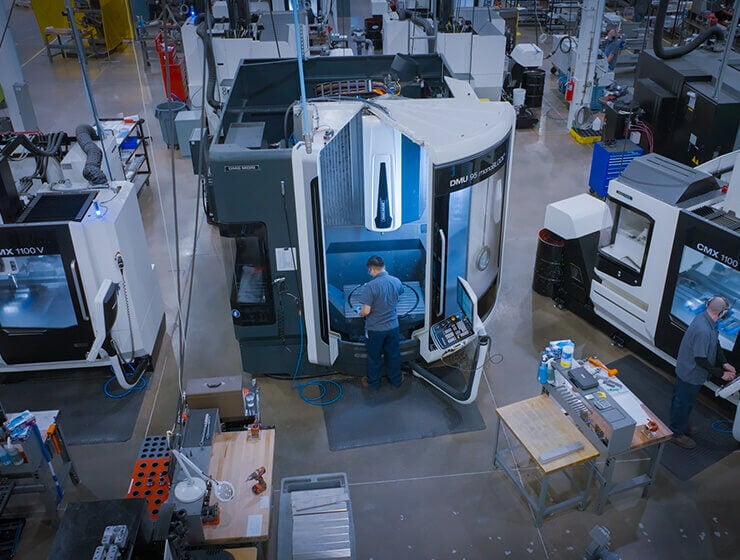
(691, 430)
(684, 441)
(366, 384)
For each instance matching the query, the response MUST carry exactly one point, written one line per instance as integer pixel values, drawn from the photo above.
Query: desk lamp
(193, 488)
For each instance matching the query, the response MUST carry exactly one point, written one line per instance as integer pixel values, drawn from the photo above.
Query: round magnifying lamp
(193, 488)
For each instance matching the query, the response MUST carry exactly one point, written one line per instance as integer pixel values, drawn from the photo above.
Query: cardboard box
(224, 393)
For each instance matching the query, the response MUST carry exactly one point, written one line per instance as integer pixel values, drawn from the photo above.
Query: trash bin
(533, 81)
(548, 265)
(166, 113)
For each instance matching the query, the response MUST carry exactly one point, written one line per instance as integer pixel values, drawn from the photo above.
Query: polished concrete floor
(435, 498)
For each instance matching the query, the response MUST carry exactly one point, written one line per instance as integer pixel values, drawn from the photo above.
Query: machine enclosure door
(704, 262)
(43, 314)
(468, 209)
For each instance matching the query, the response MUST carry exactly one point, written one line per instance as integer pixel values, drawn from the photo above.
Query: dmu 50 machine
(421, 182)
(646, 260)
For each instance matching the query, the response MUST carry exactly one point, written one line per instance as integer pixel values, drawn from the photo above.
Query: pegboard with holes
(154, 447)
(149, 480)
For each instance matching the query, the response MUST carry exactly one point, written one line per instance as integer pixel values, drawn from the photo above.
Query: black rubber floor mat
(362, 418)
(10, 535)
(87, 416)
(656, 392)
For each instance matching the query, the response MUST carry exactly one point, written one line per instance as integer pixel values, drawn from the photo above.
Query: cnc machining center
(77, 287)
(422, 182)
(646, 262)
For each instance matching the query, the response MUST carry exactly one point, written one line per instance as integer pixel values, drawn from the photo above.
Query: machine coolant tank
(382, 175)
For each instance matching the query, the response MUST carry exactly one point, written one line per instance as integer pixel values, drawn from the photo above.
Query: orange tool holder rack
(149, 478)
(172, 61)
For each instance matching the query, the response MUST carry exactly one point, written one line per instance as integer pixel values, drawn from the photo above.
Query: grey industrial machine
(422, 182)
(691, 125)
(191, 498)
(596, 412)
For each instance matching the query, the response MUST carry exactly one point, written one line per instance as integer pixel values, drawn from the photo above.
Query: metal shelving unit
(133, 148)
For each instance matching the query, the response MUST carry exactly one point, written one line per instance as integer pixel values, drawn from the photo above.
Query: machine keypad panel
(450, 331)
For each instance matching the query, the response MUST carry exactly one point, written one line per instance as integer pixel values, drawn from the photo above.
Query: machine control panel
(450, 331)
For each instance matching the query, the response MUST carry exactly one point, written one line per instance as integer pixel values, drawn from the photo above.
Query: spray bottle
(542, 372)
(5, 459)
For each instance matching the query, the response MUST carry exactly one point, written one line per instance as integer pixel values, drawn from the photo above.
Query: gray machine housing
(258, 224)
(606, 424)
(197, 440)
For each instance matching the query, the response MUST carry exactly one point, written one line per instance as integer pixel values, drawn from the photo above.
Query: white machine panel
(563, 50)
(119, 230)
(577, 216)
(378, 7)
(488, 65)
(383, 211)
(528, 55)
(396, 36)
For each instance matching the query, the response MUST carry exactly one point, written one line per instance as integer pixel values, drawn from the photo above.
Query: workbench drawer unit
(608, 162)
(331, 539)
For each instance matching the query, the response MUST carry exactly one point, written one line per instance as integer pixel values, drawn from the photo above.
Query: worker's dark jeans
(684, 395)
(384, 344)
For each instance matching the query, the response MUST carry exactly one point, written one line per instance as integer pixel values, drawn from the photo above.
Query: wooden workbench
(246, 518)
(641, 442)
(243, 553)
(541, 427)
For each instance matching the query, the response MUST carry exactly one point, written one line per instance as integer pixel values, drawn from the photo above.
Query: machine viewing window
(701, 277)
(251, 298)
(627, 246)
(34, 293)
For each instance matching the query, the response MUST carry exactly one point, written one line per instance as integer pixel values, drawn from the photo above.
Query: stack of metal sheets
(321, 524)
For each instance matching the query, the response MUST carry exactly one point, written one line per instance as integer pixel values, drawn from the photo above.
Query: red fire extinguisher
(569, 87)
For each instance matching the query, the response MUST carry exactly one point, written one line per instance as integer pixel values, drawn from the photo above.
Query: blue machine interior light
(96, 207)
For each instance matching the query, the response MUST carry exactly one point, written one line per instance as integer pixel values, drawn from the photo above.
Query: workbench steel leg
(540, 509)
(653, 469)
(609, 466)
(496, 435)
(587, 490)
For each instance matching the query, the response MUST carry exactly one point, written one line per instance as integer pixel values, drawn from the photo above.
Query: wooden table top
(540, 425)
(640, 439)
(234, 456)
(243, 553)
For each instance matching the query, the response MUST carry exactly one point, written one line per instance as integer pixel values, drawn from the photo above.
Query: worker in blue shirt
(611, 48)
(699, 357)
(379, 306)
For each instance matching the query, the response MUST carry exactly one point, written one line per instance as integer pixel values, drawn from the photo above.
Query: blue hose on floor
(138, 387)
(719, 422)
(323, 384)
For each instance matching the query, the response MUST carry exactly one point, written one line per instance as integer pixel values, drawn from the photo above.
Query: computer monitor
(467, 300)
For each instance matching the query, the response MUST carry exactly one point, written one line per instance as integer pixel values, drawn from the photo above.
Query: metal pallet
(315, 518)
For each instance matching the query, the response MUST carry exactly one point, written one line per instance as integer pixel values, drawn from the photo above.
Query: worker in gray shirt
(699, 357)
(379, 299)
